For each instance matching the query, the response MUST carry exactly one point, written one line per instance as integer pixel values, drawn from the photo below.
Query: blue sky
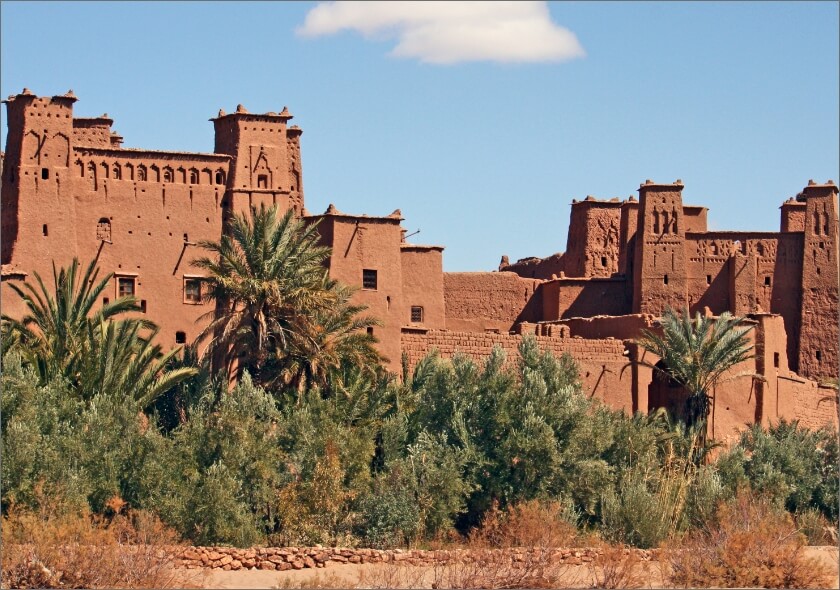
(481, 143)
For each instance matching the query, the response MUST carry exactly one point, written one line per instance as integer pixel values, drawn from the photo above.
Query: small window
(44, 230)
(776, 359)
(45, 173)
(665, 280)
(180, 337)
(766, 281)
(416, 314)
(126, 286)
(603, 261)
(103, 229)
(106, 301)
(192, 290)
(143, 305)
(262, 181)
(819, 356)
(193, 176)
(708, 279)
(167, 175)
(369, 279)
(220, 178)
(186, 237)
(370, 331)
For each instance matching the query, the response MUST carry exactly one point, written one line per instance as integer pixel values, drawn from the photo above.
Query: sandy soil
(391, 576)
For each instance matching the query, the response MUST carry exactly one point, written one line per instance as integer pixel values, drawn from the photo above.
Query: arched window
(141, 173)
(116, 172)
(168, 175)
(129, 172)
(104, 170)
(220, 177)
(194, 176)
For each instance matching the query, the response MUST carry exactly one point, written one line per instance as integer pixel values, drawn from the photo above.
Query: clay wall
(568, 298)
(793, 216)
(818, 351)
(495, 301)
(659, 279)
(593, 242)
(538, 268)
(695, 218)
(370, 245)
(816, 406)
(422, 273)
(604, 369)
(623, 327)
(93, 132)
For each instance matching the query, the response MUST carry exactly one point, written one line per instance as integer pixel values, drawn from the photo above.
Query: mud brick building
(69, 189)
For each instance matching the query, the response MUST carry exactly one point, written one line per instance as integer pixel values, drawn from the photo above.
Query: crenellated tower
(659, 274)
(818, 354)
(37, 189)
(266, 167)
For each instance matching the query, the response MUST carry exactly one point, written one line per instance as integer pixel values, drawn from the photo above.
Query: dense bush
(795, 466)
(385, 464)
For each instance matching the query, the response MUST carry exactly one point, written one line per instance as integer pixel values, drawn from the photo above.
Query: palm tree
(54, 334)
(122, 360)
(266, 277)
(63, 336)
(696, 354)
(330, 341)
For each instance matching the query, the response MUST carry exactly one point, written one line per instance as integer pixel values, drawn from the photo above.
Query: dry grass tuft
(752, 545)
(68, 550)
(618, 566)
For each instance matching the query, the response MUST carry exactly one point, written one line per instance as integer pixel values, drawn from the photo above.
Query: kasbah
(69, 189)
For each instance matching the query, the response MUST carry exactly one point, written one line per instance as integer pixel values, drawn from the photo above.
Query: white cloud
(451, 32)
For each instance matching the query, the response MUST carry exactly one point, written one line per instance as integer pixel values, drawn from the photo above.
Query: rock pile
(288, 558)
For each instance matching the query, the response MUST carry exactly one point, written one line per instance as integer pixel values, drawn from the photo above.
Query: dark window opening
(665, 279)
(186, 237)
(603, 261)
(822, 245)
(143, 305)
(369, 279)
(180, 337)
(220, 178)
(370, 331)
(44, 229)
(105, 301)
(193, 176)
(818, 268)
(708, 279)
(103, 229)
(262, 181)
(125, 287)
(776, 359)
(45, 173)
(416, 314)
(819, 356)
(192, 290)
(766, 281)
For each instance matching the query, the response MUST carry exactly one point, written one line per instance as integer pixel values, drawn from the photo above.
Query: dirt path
(379, 575)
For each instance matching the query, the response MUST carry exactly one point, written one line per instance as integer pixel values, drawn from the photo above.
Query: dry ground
(380, 575)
